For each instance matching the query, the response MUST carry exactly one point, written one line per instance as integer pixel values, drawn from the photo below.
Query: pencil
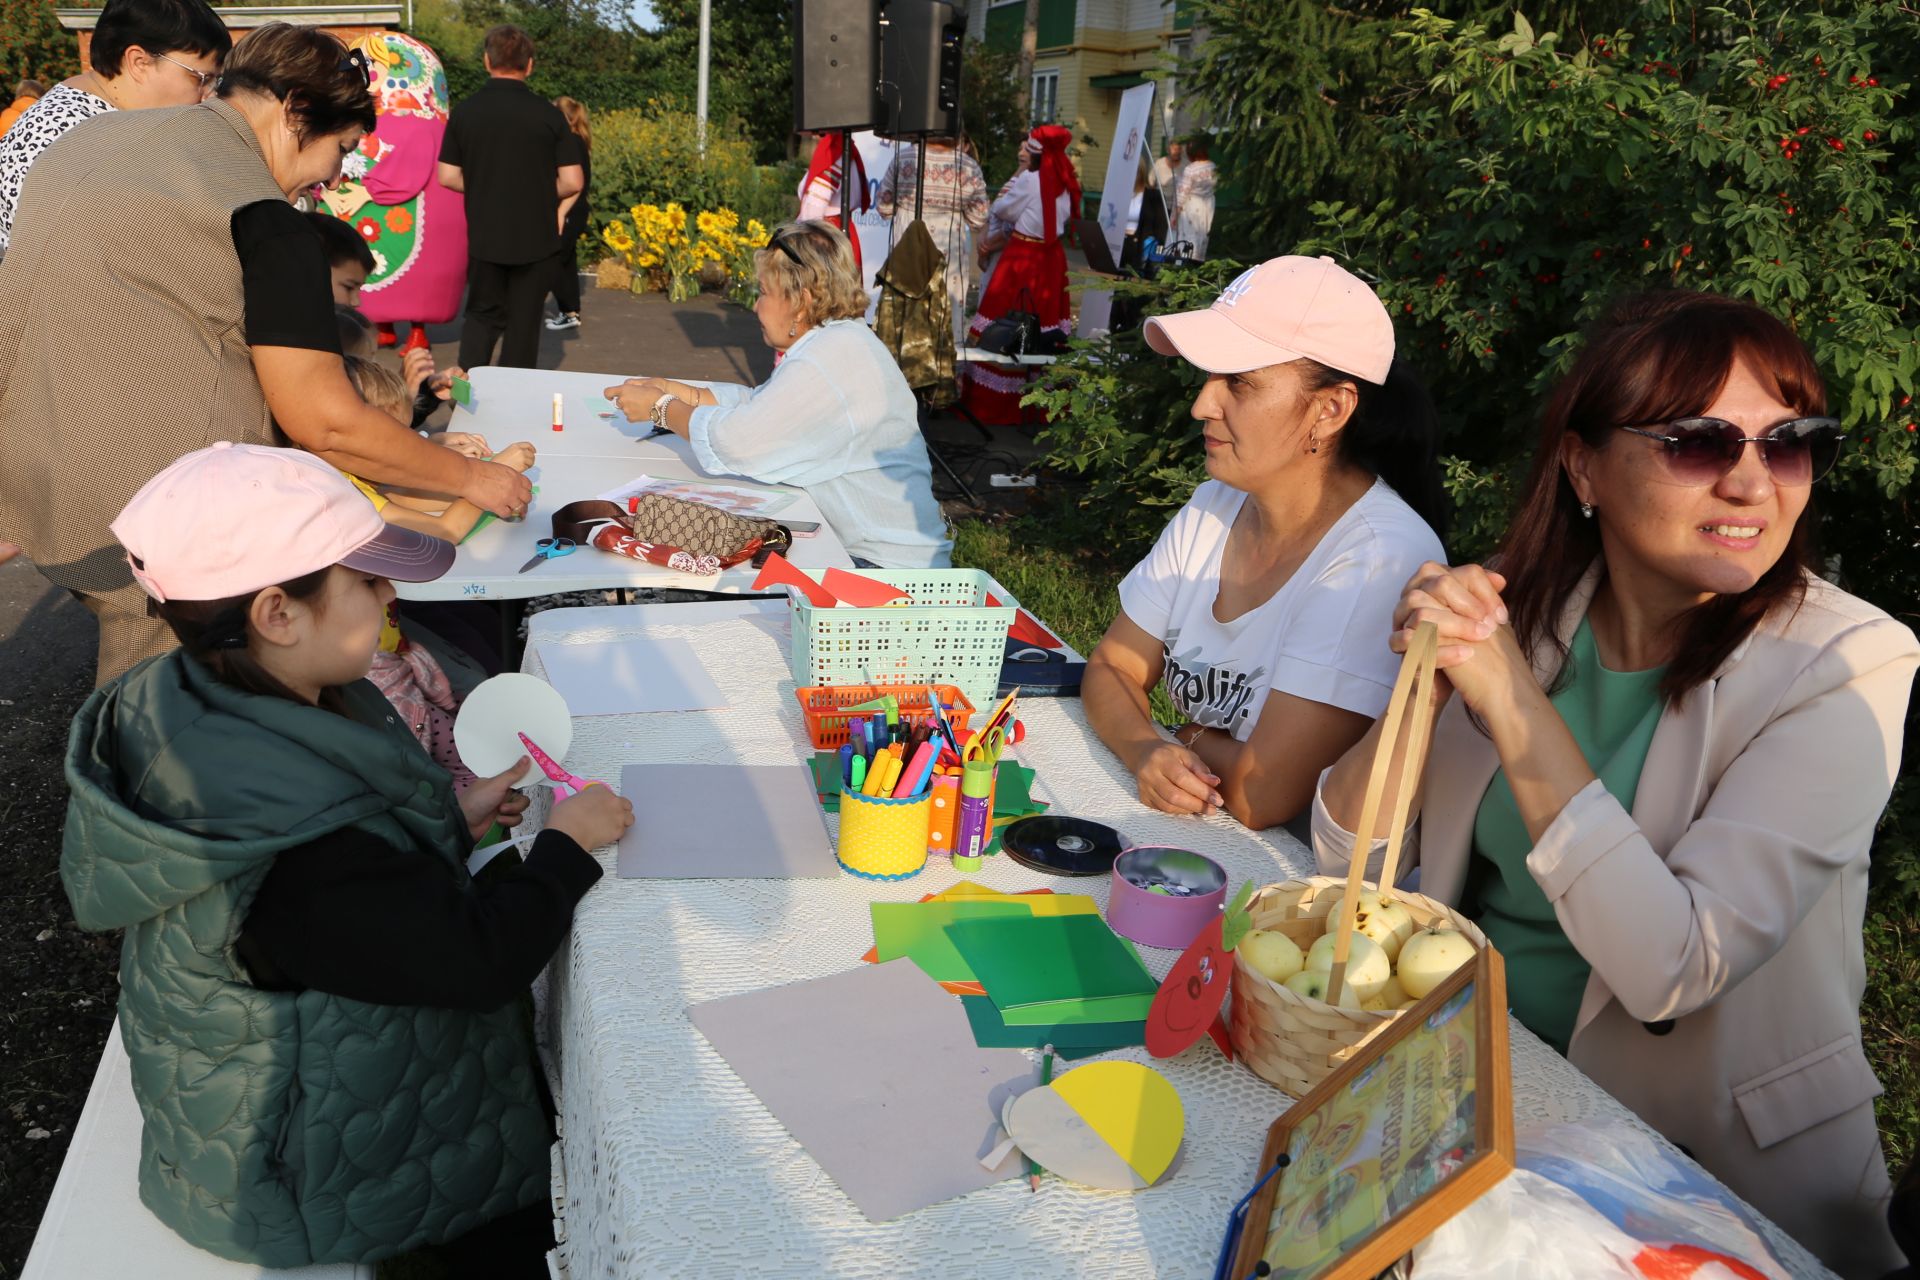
(1046, 1078)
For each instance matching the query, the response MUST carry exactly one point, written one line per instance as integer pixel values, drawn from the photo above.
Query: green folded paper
(1069, 1040)
(918, 930)
(1055, 969)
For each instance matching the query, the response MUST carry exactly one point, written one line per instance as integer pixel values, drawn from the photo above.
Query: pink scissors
(565, 783)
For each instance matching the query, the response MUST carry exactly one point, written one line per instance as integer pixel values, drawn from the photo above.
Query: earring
(1586, 509)
(792, 328)
(1313, 444)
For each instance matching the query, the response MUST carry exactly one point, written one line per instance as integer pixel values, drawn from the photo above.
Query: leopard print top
(62, 108)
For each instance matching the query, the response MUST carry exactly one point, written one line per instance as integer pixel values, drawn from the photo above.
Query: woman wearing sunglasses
(1662, 746)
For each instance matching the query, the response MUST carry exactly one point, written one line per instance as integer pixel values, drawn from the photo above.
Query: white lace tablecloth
(671, 1166)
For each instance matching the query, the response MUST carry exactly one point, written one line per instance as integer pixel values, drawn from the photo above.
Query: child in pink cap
(1264, 606)
(321, 1006)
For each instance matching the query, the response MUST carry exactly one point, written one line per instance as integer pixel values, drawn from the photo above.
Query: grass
(1074, 592)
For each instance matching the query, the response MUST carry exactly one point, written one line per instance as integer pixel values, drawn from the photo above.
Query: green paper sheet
(462, 391)
(487, 518)
(1069, 1040)
(1055, 969)
(827, 780)
(918, 930)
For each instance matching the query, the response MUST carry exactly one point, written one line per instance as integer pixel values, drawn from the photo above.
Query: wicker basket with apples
(1330, 962)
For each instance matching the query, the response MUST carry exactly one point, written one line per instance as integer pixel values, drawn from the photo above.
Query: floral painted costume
(392, 195)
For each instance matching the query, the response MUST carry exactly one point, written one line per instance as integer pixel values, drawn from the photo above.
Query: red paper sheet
(1026, 628)
(778, 572)
(866, 593)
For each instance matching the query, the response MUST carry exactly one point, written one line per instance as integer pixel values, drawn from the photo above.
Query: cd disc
(1063, 846)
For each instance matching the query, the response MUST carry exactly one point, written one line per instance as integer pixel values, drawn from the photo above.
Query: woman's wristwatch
(660, 411)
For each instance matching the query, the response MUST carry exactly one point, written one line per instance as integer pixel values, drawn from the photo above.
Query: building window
(1046, 96)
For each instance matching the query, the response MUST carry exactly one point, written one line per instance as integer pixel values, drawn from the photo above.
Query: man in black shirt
(512, 153)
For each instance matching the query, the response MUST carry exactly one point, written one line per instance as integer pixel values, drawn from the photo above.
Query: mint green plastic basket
(948, 635)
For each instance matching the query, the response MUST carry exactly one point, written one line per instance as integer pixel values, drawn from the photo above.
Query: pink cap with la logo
(1289, 308)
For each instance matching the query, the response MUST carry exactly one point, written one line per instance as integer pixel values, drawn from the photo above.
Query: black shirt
(510, 144)
(351, 915)
(283, 272)
(577, 215)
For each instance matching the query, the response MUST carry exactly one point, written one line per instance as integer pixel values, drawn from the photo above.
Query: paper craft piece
(1190, 999)
(740, 499)
(723, 821)
(601, 407)
(486, 518)
(636, 674)
(1069, 1039)
(874, 1071)
(1026, 628)
(778, 572)
(862, 592)
(1051, 969)
(918, 931)
(487, 731)
(462, 391)
(1114, 1125)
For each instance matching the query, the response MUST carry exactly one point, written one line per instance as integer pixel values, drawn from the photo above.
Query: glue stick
(976, 785)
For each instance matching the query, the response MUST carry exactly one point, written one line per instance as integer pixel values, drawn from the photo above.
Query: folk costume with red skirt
(820, 189)
(1031, 274)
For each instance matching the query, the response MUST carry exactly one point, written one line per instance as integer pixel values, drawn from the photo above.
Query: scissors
(985, 745)
(565, 783)
(548, 549)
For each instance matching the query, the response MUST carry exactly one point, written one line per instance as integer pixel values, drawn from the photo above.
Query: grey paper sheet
(874, 1071)
(637, 674)
(723, 821)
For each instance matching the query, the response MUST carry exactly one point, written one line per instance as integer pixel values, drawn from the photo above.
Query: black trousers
(566, 276)
(503, 306)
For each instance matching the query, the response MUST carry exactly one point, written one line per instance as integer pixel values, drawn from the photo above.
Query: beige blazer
(1723, 916)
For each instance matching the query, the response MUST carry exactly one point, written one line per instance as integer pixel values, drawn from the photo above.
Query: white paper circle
(487, 731)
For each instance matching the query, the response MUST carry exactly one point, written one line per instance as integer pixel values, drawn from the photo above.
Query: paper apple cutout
(1190, 998)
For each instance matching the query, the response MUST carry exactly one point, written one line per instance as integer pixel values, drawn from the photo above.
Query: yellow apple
(1429, 956)
(1272, 954)
(1368, 968)
(1312, 984)
(1385, 921)
(1388, 997)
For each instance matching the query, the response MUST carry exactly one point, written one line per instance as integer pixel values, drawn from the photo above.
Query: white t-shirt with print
(1322, 636)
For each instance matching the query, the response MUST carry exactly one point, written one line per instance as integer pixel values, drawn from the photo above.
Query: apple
(1391, 996)
(1429, 956)
(1368, 968)
(1312, 985)
(1272, 953)
(1384, 920)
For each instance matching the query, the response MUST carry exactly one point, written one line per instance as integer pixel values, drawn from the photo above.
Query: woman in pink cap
(1261, 606)
(321, 1007)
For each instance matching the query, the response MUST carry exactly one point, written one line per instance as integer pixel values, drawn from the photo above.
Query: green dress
(1612, 715)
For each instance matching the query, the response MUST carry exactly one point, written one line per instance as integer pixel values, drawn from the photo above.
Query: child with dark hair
(145, 53)
(322, 1008)
(349, 261)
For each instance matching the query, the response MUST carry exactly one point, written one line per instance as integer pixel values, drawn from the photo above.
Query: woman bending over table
(1662, 747)
(1255, 607)
(836, 418)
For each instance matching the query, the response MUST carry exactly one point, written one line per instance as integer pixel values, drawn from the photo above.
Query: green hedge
(651, 155)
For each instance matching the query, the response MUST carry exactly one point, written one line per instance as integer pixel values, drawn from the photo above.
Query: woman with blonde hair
(836, 418)
(573, 221)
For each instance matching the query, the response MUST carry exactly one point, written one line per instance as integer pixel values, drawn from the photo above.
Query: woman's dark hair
(214, 633)
(1394, 433)
(324, 88)
(1651, 359)
(341, 241)
(1197, 145)
(158, 26)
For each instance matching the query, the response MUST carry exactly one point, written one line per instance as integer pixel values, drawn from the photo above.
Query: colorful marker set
(889, 762)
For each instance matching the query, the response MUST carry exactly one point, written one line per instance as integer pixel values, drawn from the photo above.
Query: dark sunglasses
(1698, 451)
(793, 255)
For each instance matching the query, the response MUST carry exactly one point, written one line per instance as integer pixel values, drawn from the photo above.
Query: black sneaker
(569, 320)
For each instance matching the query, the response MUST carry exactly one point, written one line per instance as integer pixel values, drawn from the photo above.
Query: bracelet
(659, 414)
(1198, 730)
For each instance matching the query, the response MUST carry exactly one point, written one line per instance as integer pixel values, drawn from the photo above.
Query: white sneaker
(570, 320)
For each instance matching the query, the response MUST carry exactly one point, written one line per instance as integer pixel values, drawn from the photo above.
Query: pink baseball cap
(235, 518)
(1285, 309)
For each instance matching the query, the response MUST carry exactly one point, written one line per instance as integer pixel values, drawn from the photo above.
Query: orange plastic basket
(825, 707)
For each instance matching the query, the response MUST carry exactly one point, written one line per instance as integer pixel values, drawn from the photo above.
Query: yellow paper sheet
(1132, 1107)
(1042, 904)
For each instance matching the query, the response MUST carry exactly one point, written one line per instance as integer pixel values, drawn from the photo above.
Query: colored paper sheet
(462, 391)
(918, 931)
(778, 572)
(1117, 1127)
(861, 591)
(1052, 969)
(1026, 628)
(722, 821)
(1069, 1040)
(487, 518)
(874, 1072)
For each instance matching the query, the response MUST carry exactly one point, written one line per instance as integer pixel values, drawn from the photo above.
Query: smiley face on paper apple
(1190, 998)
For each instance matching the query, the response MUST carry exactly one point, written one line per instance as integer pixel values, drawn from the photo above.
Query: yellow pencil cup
(883, 838)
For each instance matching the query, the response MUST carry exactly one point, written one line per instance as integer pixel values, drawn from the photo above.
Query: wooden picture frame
(1372, 1172)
